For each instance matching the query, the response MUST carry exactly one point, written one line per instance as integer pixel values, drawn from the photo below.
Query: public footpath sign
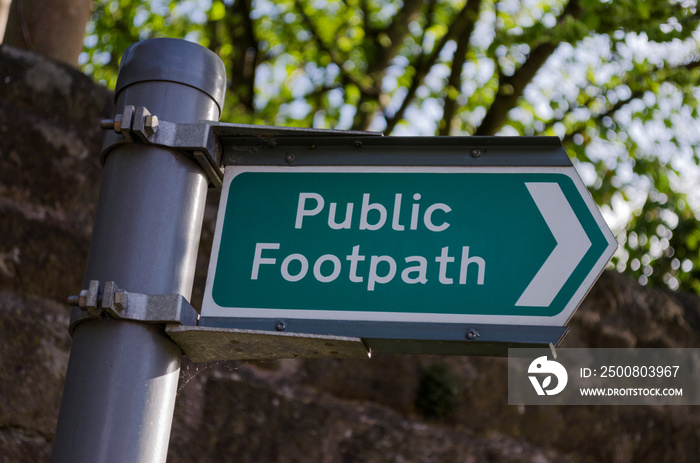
(476, 237)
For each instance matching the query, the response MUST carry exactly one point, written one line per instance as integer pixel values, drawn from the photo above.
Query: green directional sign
(506, 245)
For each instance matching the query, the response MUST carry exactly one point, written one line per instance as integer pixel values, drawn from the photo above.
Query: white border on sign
(211, 309)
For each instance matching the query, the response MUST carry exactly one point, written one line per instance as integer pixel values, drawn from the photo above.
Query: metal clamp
(202, 140)
(137, 125)
(109, 301)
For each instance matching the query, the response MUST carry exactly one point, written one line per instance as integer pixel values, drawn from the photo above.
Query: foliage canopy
(617, 81)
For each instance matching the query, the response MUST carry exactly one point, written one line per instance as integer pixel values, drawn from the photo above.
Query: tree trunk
(4, 12)
(54, 29)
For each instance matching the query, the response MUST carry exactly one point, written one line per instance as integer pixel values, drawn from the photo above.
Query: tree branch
(464, 22)
(511, 87)
(337, 60)
(395, 32)
(240, 25)
(460, 57)
(610, 112)
(636, 92)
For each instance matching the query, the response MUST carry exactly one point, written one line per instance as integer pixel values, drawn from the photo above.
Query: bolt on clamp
(111, 301)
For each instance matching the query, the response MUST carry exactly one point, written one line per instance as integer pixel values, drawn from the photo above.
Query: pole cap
(173, 60)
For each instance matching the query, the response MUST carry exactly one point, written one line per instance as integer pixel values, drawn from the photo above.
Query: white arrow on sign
(572, 245)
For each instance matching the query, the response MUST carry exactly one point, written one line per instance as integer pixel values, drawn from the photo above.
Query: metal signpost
(119, 395)
(328, 244)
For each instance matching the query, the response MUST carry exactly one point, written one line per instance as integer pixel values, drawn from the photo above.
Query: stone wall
(49, 182)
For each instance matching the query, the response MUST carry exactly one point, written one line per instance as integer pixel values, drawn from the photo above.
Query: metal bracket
(362, 150)
(391, 337)
(138, 125)
(206, 344)
(109, 301)
(201, 140)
